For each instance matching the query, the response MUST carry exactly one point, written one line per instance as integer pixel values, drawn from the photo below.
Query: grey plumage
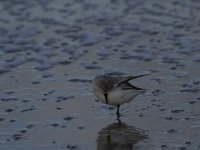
(115, 90)
(107, 82)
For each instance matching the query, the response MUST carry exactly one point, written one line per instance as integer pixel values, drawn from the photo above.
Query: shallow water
(51, 50)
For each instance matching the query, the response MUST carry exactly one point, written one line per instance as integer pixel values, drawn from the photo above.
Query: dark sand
(51, 50)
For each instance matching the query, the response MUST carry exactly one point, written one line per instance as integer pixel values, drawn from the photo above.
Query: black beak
(106, 97)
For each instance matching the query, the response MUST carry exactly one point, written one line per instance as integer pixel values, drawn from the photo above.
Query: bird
(115, 91)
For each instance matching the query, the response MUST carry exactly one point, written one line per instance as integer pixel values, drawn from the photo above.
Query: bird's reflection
(119, 136)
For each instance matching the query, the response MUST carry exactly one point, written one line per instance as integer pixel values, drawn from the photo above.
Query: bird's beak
(106, 97)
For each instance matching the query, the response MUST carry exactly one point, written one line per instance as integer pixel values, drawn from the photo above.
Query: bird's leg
(117, 113)
(119, 121)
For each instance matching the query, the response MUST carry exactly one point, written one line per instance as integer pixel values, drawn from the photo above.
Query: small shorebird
(116, 90)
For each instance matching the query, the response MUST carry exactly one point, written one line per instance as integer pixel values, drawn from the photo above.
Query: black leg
(117, 113)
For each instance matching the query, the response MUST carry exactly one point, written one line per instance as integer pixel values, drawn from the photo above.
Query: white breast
(117, 96)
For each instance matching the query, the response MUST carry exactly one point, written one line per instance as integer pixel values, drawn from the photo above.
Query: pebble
(9, 110)
(68, 118)
(17, 137)
(171, 131)
(175, 111)
(2, 119)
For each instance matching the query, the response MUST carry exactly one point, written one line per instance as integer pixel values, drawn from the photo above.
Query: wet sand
(51, 50)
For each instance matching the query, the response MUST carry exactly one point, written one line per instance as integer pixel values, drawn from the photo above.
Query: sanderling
(116, 90)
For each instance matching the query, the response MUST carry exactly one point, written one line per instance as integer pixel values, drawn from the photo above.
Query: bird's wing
(128, 86)
(108, 82)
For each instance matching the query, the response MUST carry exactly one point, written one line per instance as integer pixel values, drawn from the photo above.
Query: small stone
(162, 109)
(7, 140)
(171, 131)
(10, 92)
(182, 148)
(9, 110)
(16, 136)
(29, 126)
(187, 118)
(163, 146)
(23, 131)
(80, 127)
(188, 142)
(12, 120)
(175, 111)
(72, 147)
(192, 102)
(68, 118)
(140, 115)
(2, 119)
(25, 101)
(54, 124)
(35, 82)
